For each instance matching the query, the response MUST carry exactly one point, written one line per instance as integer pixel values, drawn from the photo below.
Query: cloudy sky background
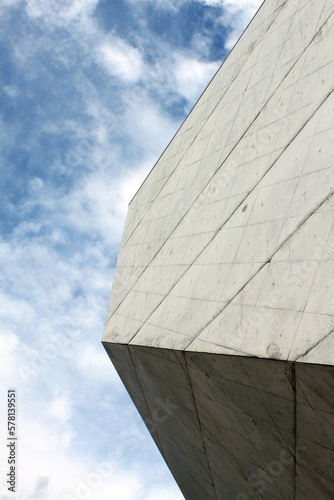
(91, 93)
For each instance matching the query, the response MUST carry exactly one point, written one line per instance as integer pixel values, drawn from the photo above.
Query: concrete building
(221, 316)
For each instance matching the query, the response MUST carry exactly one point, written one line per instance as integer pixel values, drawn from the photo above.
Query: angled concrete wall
(228, 252)
(234, 427)
(234, 199)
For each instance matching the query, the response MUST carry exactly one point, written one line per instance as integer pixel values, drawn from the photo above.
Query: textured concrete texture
(228, 245)
(228, 252)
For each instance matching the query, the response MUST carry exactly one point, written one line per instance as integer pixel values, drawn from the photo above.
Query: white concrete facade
(242, 199)
(228, 250)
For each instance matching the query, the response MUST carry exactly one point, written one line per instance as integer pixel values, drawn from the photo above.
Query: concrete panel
(235, 427)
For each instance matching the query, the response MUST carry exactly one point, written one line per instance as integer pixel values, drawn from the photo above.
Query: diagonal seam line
(219, 167)
(257, 115)
(306, 218)
(237, 352)
(311, 290)
(186, 371)
(278, 8)
(315, 345)
(186, 150)
(217, 232)
(222, 97)
(271, 79)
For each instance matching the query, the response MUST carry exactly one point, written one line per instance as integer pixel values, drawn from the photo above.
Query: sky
(91, 92)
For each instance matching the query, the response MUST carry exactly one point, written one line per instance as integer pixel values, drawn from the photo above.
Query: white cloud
(36, 184)
(11, 91)
(41, 455)
(98, 205)
(201, 45)
(251, 5)
(8, 348)
(236, 14)
(122, 485)
(168, 5)
(60, 407)
(192, 76)
(150, 129)
(95, 361)
(121, 60)
(8, 3)
(41, 489)
(60, 13)
(132, 183)
(13, 308)
(170, 493)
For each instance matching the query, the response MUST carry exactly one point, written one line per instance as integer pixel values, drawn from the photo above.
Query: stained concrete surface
(234, 427)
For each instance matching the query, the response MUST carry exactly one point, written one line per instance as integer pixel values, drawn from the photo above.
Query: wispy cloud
(60, 406)
(235, 16)
(121, 59)
(192, 76)
(86, 109)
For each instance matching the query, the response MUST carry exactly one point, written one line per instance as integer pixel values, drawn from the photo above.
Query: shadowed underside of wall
(233, 427)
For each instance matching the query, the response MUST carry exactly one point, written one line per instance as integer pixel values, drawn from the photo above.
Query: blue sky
(91, 92)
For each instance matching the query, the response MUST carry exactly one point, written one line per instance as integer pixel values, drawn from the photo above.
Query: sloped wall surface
(228, 245)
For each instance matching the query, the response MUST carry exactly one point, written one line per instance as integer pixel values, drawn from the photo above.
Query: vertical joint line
(200, 426)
